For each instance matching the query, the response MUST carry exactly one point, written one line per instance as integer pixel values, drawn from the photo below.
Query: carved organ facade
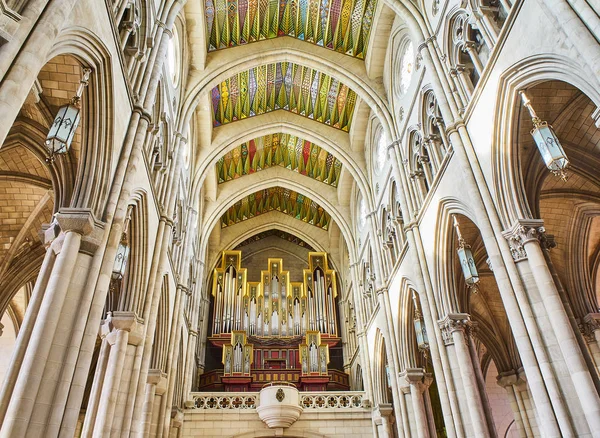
(273, 329)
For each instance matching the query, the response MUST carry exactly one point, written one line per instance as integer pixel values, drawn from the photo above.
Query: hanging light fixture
(547, 142)
(120, 265)
(66, 121)
(466, 260)
(420, 332)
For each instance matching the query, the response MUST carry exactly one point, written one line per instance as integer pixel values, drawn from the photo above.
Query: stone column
(156, 386)
(524, 237)
(590, 329)
(33, 309)
(415, 378)
(508, 381)
(383, 413)
(455, 327)
(121, 324)
(96, 391)
(38, 376)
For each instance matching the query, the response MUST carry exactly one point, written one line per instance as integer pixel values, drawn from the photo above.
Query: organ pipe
(274, 307)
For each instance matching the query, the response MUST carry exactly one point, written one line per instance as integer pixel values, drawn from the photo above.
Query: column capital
(77, 220)
(417, 377)
(129, 322)
(507, 379)
(587, 327)
(384, 409)
(158, 378)
(454, 322)
(521, 232)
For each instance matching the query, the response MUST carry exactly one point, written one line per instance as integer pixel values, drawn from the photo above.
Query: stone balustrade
(249, 400)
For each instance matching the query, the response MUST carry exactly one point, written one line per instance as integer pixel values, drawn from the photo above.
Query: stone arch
(241, 58)
(93, 172)
(333, 141)
(337, 213)
(381, 391)
(507, 185)
(127, 293)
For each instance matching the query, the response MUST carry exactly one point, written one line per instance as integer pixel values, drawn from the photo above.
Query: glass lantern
(465, 256)
(420, 331)
(65, 123)
(547, 142)
(121, 259)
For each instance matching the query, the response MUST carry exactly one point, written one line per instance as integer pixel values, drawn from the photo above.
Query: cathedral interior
(300, 218)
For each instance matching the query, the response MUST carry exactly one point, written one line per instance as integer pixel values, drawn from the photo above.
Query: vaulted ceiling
(283, 85)
(279, 199)
(285, 150)
(285, 164)
(340, 25)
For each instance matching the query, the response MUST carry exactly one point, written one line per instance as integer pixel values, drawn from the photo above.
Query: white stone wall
(333, 424)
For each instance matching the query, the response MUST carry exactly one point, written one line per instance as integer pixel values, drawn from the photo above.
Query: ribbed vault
(282, 95)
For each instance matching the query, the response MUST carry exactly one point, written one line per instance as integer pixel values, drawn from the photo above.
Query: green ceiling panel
(287, 86)
(340, 25)
(277, 199)
(283, 150)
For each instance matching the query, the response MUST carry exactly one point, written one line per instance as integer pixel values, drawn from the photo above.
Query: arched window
(381, 144)
(173, 58)
(434, 131)
(405, 67)
(468, 54)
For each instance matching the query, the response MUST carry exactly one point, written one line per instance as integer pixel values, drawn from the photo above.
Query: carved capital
(416, 377)
(589, 325)
(522, 232)
(129, 322)
(454, 322)
(507, 379)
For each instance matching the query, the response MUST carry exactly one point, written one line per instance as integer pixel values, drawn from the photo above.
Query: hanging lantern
(121, 259)
(547, 142)
(66, 121)
(420, 332)
(466, 259)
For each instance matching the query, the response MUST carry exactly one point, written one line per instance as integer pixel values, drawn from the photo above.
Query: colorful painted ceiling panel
(340, 25)
(284, 85)
(283, 150)
(277, 199)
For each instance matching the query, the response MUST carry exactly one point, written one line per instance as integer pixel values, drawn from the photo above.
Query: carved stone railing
(250, 400)
(225, 400)
(332, 400)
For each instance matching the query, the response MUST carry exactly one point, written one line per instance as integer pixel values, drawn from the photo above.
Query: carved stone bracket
(453, 322)
(521, 232)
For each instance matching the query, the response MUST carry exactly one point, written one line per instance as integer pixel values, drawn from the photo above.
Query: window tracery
(468, 54)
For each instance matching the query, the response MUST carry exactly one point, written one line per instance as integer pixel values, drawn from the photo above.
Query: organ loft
(283, 328)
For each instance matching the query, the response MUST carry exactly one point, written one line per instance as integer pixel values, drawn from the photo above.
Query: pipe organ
(274, 329)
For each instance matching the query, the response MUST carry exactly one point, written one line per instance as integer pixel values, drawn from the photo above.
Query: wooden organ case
(274, 329)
